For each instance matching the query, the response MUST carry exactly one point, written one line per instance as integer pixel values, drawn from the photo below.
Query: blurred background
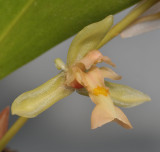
(65, 127)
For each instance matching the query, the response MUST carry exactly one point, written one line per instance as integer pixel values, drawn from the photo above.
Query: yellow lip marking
(100, 90)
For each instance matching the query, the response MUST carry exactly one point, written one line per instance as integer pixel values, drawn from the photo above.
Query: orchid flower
(81, 74)
(93, 81)
(149, 21)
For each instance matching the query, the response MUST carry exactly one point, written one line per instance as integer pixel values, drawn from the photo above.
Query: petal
(88, 39)
(107, 60)
(109, 73)
(94, 57)
(121, 119)
(4, 119)
(34, 102)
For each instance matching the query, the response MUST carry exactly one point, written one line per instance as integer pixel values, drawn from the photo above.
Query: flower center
(76, 85)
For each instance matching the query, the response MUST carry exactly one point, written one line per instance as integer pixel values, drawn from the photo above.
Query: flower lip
(101, 90)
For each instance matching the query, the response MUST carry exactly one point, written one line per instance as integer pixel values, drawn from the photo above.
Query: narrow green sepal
(34, 102)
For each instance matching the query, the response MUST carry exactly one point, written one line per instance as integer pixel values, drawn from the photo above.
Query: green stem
(12, 131)
(127, 20)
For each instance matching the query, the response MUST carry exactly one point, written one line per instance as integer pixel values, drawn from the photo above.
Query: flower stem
(12, 131)
(127, 20)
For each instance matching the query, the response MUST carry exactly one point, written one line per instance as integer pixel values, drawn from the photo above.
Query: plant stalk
(12, 131)
(127, 20)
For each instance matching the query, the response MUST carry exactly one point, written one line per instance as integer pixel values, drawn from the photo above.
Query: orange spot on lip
(100, 90)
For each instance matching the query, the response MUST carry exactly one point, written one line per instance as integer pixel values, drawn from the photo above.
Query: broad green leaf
(28, 28)
(122, 95)
(32, 103)
(88, 39)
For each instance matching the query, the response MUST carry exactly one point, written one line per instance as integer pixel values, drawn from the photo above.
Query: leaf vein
(15, 20)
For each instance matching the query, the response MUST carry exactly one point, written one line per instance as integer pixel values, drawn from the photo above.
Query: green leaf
(88, 39)
(28, 28)
(34, 102)
(122, 95)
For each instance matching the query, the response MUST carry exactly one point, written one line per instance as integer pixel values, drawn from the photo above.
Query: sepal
(88, 39)
(34, 102)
